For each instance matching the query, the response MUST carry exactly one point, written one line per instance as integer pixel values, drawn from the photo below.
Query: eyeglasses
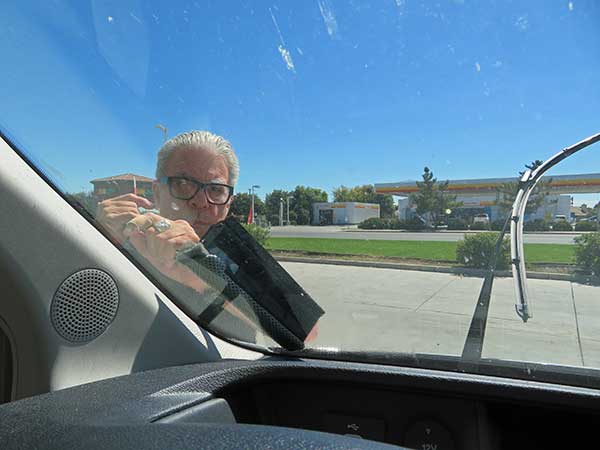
(183, 188)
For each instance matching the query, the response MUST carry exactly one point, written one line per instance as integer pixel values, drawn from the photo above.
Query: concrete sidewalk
(422, 312)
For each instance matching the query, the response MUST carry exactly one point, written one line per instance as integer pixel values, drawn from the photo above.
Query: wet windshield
(371, 150)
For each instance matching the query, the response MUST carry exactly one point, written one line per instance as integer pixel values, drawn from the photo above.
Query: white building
(480, 195)
(342, 213)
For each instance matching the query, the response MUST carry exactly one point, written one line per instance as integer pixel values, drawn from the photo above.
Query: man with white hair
(195, 175)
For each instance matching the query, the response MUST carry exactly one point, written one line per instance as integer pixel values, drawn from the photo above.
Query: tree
(432, 200)
(86, 200)
(365, 194)
(507, 192)
(272, 206)
(587, 211)
(241, 206)
(304, 197)
(532, 166)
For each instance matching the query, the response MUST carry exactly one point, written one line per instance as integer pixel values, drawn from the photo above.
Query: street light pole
(280, 211)
(164, 130)
(288, 210)
(254, 186)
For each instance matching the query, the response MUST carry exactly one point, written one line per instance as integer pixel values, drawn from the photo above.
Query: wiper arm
(528, 182)
(522, 305)
(474, 342)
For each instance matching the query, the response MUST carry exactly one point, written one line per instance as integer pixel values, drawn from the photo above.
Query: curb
(439, 269)
(544, 233)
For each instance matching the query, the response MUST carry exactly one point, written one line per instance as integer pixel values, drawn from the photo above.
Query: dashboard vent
(84, 305)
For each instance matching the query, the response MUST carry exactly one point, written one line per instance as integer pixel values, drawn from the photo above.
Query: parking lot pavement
(424, 312)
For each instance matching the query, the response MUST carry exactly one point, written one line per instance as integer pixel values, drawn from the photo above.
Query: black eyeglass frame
(167, 180)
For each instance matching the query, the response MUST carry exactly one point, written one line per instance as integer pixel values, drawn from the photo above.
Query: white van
(481, 218)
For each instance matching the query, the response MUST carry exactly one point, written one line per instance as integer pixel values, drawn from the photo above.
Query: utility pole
(164, 130)
(288, 210)
(254, 186)
(280, 211)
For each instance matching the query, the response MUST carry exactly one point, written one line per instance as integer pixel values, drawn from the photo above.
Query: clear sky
(319, 93)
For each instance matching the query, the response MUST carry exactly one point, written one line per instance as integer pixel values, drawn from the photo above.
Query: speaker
(84, 305)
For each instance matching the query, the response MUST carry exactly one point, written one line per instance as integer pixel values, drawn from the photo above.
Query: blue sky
(318, 93)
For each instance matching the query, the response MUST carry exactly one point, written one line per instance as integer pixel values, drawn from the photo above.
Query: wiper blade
(528, 182)
(474, 342)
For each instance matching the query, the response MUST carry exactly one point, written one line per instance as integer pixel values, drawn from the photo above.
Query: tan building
(122, 184)
(343, 213)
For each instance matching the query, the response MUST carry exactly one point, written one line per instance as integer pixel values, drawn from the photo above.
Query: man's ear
(229, 202)
(228, 205)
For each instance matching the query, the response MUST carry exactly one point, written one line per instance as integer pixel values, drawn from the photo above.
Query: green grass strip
(550, 253)
(425, 250)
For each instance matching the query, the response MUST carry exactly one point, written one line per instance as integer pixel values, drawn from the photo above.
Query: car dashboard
(280, 402)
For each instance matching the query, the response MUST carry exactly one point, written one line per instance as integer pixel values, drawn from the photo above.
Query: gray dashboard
(281, 403)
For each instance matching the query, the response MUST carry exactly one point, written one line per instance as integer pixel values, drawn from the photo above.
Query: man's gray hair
(200, 139)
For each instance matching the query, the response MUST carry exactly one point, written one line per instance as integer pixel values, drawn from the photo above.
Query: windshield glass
(371, 149)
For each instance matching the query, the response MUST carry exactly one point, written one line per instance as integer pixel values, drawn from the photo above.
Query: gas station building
(480, 195)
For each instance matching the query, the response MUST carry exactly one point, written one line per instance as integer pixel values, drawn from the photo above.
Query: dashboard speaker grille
(84, 305)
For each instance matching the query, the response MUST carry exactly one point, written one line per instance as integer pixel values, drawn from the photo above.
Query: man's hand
(160, 248)
(313, 334)
(114, 213)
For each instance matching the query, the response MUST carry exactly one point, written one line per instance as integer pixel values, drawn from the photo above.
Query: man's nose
(199, 201)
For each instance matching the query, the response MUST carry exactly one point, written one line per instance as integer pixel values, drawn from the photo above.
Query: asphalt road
(424, 312)
(335, 232)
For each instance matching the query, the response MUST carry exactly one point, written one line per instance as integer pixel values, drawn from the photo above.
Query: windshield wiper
(474, 342)
(522, 306)
(526, 186)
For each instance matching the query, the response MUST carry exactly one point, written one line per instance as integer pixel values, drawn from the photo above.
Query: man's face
(201, 165)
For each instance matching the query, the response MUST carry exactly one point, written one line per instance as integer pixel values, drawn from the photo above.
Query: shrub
(413, 224)
(273, 219)
(457, 224)
(588, 225)
(562, 226)
(587, 252)
(261, 234)
(476, 250)
(497, 225)
(536, 225)
(374, 223)
(479, 226)
(395, 224)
